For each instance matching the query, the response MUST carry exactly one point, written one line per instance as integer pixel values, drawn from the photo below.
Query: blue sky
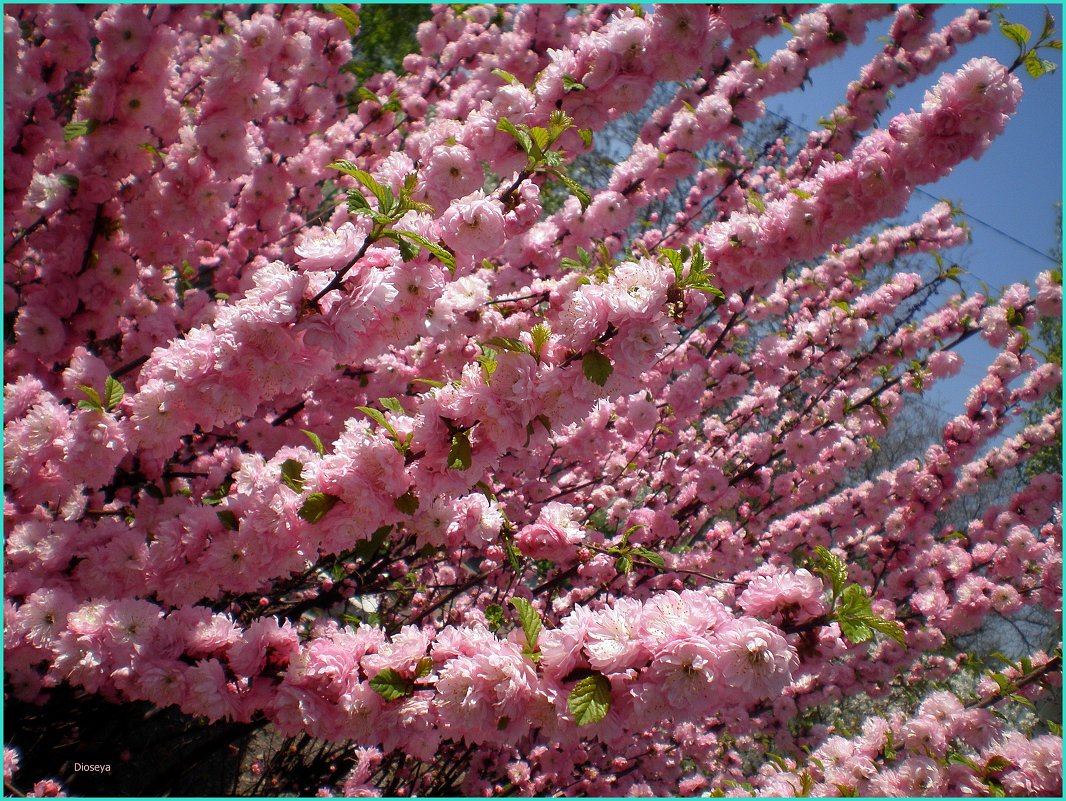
(1013, 186)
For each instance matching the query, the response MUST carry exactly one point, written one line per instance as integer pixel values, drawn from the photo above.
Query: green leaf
(1054, 728)
(228, 519)
(357, 204)
(1006, 660)
(113, 393)
(586, 136)
(445, 256)
(408, 250)
(507, 77)
(530, 620)
(1021, 699)
(559, 122)
(540, 334)
(596, 367)
(365, 95)
(624, 564)
(995, 764)
(514, 556)
(756, 201)
(832, 567)
(379, 418)
(432, 382)
(520, 136)
(890, 628)
(995, 789)
(93, 403)
(386, 200)
(539, 137)
(1005, 685)
(1015, 31)
(72, 130)
(366, 549)
(854, 601)
(959, 759)
(651, 556)
(315, 441)
(460, 455)
(351, 19)
(423, 668)
(393, 405)
(507, 343)
(407, 503)
(571, 85)
(494, 616)
(576, 189)
(1049, 25)
(216, 497)
(855, 630)
(1033, 64)
(590, 700)
(292, 475)
(316, 506)
(391, 685)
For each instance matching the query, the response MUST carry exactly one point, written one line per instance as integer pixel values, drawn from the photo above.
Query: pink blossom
(473, 225)
(555, 535)
(753, 658)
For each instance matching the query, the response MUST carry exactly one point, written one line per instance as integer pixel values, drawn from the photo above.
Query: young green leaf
(596, 367)
(832, 567)
(93, 403)
(228, 519)
(392, 685)
(520, 135)
(113, 393)
(357, 204)
(72, 130)
(423, 668)
(408, 250)
(316, 441)
(366, 549)
(1015, 31)
(651, 556)
(541, 333)
(351, 19)
(507, 343)
(292, 475)
(571, 85)
(316, 506)
(494, 616)
(514, 556)
(507, 77)
(407, 503)
(590, 700)
(379, 418)
(530, 620)
(444, 255)
(576, 189)
(460, 455)
(890, 628)
(854, 601)
(386, 200)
